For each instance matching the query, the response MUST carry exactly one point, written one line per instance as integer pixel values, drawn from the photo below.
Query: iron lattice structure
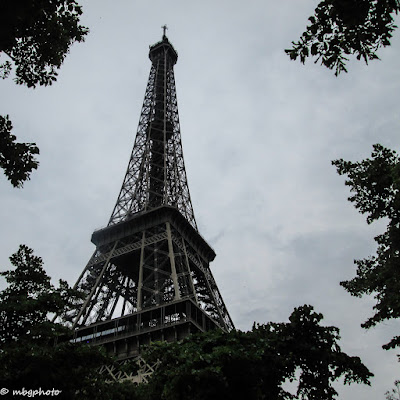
(156, 172)
(149, 277)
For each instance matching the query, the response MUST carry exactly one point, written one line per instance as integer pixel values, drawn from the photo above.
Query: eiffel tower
(149, 278)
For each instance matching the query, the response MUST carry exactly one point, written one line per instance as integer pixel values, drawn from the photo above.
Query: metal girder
(117, 372)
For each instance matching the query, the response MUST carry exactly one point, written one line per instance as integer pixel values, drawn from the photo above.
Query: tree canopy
(211, 365)
(254, 364)
(17, 159)
(35, 37)
(375, 184)
(340, 28)
(33, 350)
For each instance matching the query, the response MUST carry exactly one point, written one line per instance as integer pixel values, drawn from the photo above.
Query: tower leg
(95, 286)
(174, 275)
(140, 283)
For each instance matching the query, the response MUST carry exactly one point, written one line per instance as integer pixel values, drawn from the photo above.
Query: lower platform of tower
(125, 337)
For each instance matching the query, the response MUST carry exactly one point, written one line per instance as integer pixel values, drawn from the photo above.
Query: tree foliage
(29, 299)
(394, 394)
(17, 159)
(33, 351)
(35, 37)
(255, 364)
(375, 184)
(340, 28)
(216, 364)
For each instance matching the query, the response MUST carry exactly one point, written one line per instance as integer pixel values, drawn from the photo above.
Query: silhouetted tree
(375, 184)
(35, 351)
(16, 159)
(254, 364)
(340, 28)
(35, 37)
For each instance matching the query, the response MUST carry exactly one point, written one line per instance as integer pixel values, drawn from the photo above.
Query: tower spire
(156, 172)
(164, 27)
(149, 277)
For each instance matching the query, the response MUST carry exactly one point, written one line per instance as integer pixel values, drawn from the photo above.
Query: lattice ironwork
(123, 372)
(145, 269)
(156, 171)
(149, 277)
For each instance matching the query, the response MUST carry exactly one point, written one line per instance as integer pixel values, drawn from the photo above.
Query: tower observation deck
(149, 277)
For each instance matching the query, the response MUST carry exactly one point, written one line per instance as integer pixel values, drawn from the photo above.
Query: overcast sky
(259, 132)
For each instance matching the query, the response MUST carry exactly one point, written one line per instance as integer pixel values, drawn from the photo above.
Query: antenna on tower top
(164, 27)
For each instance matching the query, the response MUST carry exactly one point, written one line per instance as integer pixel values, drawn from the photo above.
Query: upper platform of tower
(161, 48)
